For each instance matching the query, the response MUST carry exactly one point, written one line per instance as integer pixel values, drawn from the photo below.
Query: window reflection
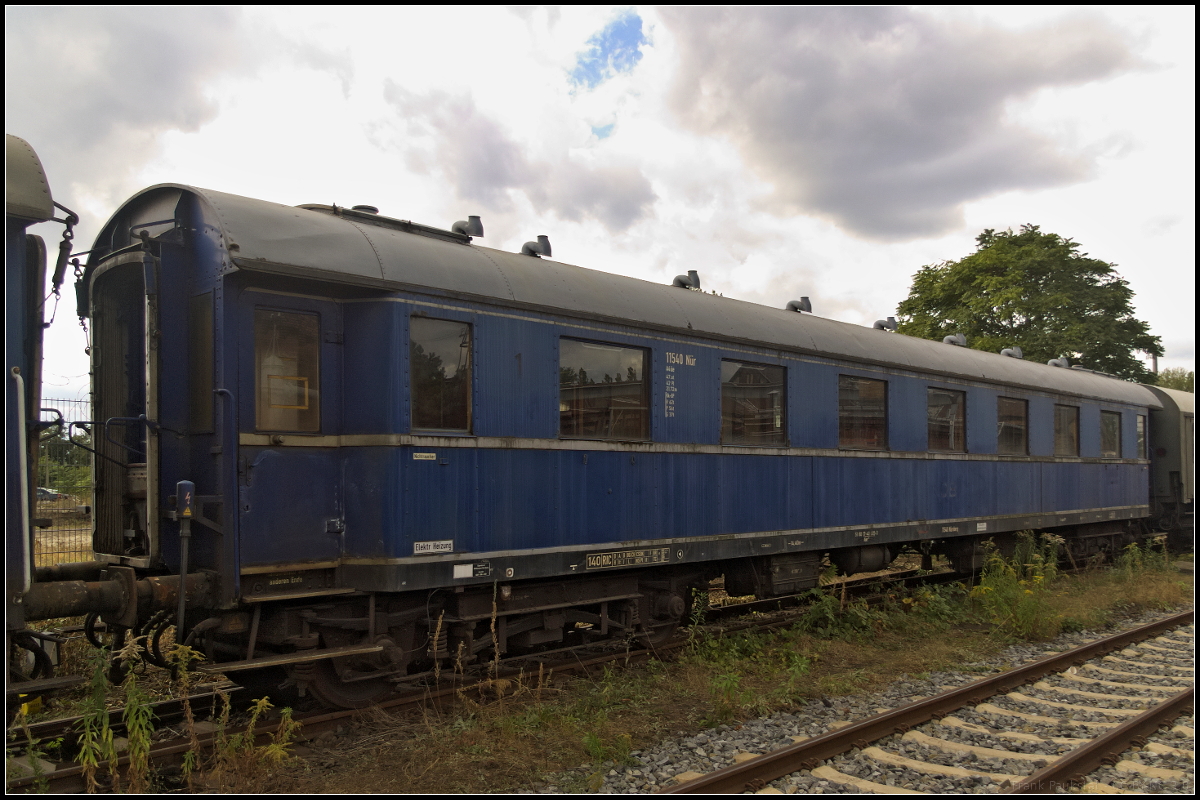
(287, 362)
(1066, 430)
(200, 356)
(753, 402)
(862, 413)
(1110, 434)
(1012, 426)
(602, 391)
(946, 414)
(440, 374)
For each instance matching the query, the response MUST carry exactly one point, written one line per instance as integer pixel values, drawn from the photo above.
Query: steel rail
(755, 774)
(1075, 766)
(163, 711)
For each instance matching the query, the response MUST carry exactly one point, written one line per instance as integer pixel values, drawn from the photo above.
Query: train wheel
(659, 615)
(328, 686)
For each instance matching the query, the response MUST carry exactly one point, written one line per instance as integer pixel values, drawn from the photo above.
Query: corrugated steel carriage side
(364, 502)
(473, 281)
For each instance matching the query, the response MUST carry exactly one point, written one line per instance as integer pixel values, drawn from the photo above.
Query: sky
(780, 152)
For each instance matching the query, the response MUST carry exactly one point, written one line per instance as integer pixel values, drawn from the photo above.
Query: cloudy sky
(827, 152)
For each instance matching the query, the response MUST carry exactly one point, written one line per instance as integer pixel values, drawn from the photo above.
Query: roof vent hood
(1012, 352)
(471, 226)
(957, 339)
(537, 249)
(1059, 362)
(689, 281)
(802, 305)
(888, 324)
(365, 209)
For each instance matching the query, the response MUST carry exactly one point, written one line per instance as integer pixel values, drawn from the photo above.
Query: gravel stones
(713, 749)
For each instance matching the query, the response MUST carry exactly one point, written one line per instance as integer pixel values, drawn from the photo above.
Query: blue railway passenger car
(392, 431)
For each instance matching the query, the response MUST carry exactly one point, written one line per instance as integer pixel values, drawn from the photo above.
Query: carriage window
(946, 412)
(753, 399)
(1066, 430)
(1141, 436)
(200, 353)
(1012, 426)
(862, 413)
(1110, 434)
(602, 391)
(287, 363)
(440, 374)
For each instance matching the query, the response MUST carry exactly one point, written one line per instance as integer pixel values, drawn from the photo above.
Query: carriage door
(290, 473)
(124, 316)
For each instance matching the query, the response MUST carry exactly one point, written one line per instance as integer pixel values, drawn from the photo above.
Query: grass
(1143, 581)
(1024, 598)
(577, 729)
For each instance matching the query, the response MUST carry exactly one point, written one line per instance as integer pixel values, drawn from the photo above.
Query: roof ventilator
(365, 209)
(802, 305)
(957, 339)
(888, 324)
(1059, 362)
(537, 249)
(1012, 352)
(689, 281)
(471, 226)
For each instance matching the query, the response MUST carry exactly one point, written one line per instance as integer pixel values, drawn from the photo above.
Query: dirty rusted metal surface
(114, 597)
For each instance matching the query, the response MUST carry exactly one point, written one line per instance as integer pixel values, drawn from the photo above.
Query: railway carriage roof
(1183, 402)
(353, 248)
(26, 192)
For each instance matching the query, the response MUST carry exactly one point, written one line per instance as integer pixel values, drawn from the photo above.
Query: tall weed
(137, 716)
(832, 616)
(1138, 559)
(96, 747)
(728, 697)
(1014, 593)
(182, 657)
(239, 763)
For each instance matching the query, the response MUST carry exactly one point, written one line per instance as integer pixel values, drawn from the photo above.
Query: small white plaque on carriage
(475, 569)
(424, 456)
(980, 526)
(424, 548)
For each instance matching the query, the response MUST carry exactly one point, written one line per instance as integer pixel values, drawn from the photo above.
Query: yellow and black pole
(185, 494)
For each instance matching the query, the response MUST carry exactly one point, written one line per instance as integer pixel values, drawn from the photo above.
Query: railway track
(1043, 726)
(732, 618)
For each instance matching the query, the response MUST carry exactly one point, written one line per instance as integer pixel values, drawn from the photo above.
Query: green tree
(64, 467)
(1177, 378)
(1036, 291)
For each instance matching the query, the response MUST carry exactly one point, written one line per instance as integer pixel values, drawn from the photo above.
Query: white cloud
(293, 105)
(882, 119)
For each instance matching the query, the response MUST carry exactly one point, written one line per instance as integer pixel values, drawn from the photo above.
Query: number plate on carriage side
(628, 558)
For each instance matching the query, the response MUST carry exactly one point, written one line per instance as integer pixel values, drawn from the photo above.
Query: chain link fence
(63, 514)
